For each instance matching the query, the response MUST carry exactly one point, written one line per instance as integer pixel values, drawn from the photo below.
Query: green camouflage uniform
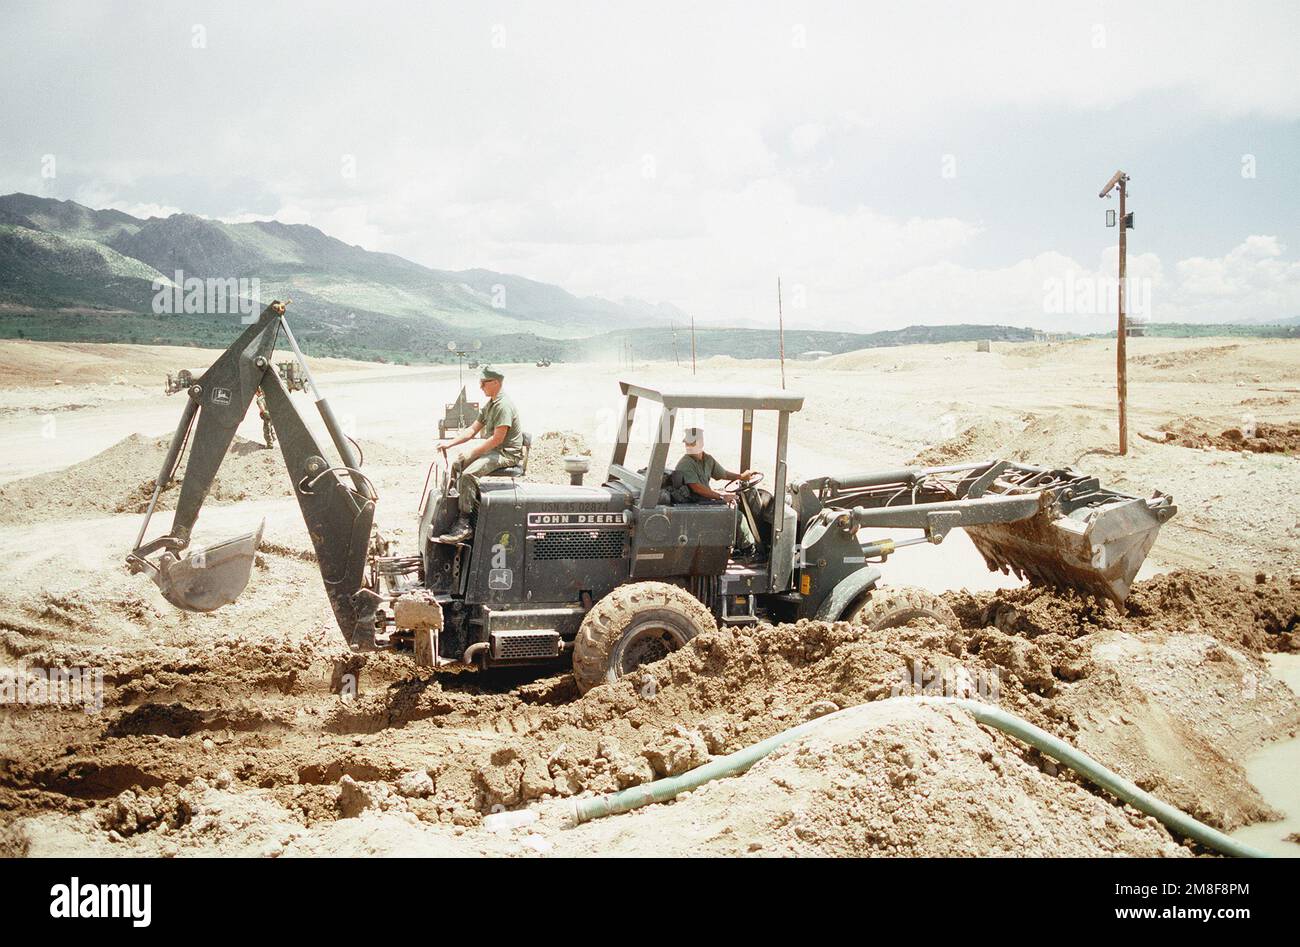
(702, 470)
(496, 413)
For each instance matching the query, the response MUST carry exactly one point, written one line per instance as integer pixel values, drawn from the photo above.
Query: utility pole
(692, 344)
(780, 329)
(1120, 180)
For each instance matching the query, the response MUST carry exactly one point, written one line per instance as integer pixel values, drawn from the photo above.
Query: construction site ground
(220, 733)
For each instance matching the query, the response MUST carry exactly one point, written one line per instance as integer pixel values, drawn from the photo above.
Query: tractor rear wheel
(895, 606)
(634, 625)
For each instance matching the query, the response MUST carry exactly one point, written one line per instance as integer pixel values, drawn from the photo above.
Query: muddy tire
(893, 607)
(634, 625)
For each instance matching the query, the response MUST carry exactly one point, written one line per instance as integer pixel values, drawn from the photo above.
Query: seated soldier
(697, 468)
(502, 447)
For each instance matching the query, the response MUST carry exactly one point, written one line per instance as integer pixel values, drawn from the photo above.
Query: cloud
(678, 152)
(1251, 282)
(103, 196)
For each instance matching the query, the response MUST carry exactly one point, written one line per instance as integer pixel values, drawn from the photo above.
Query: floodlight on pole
(461, 354)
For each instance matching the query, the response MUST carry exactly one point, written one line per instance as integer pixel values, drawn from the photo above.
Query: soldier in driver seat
(697, 468)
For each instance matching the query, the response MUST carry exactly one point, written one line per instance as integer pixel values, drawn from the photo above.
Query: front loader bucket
(208, 578)
(1095, 549)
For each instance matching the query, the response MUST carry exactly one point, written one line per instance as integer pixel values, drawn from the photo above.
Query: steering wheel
(742, 485)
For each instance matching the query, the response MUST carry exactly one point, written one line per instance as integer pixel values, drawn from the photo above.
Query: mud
(240, 717)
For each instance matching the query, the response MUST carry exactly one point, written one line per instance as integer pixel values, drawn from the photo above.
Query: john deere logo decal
(574, 519)
(501, 577)
(221, 396)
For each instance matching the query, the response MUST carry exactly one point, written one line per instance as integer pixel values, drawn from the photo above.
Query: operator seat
(521, 468)
(764, 510)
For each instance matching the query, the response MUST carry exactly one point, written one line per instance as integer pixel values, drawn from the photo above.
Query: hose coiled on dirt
(735, 763)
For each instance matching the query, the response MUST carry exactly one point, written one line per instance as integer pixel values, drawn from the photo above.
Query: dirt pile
(1174, 692)
(899, 778)
(1186, 357)
(1048, 438)
(930, 782)
(1065, 663)
(121, 480)
(1260, 438)
(1258, 615)
(250, 725)
(30, 364)
(546, 456)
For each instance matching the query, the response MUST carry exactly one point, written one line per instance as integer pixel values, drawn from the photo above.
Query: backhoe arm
(337, 501)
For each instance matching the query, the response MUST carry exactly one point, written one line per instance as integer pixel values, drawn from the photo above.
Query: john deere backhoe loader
(613, 576)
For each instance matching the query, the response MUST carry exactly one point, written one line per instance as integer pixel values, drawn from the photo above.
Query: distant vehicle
(182, 380)
(292, 376)
(459, 415)
(543, 362)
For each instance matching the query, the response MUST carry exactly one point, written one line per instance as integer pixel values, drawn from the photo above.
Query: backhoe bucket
(1096, 549)
(208, 578)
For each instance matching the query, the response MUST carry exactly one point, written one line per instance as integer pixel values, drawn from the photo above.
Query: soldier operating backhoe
(502, 448)
(606, 577)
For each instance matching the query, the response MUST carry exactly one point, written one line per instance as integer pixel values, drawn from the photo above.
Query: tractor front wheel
(893, 607)
(634, 625)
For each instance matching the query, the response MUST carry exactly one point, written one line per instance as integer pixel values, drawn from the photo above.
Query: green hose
(735, 763)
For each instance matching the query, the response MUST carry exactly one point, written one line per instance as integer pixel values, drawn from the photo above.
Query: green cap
(490, 374)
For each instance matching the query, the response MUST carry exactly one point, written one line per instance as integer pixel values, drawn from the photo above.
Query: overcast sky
(894, 163)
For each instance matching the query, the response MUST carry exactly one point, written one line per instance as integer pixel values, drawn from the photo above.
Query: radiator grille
(517, 645)
(581, 544)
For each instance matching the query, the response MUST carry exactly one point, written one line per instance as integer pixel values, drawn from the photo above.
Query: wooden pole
(1120, 179)
(1121, 348)
(780, 328)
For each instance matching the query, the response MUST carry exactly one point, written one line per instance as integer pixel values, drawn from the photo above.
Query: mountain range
(73, 273)
(68, 262)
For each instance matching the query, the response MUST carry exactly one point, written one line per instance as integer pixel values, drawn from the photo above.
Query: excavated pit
(1172, 693)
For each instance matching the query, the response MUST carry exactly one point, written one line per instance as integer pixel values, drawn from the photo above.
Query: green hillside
(294, 261)
(73, 273)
